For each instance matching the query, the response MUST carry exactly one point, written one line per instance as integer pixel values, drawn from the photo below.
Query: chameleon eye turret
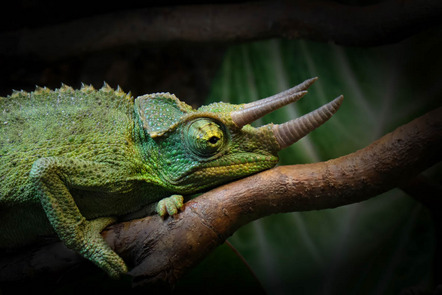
(204, 137)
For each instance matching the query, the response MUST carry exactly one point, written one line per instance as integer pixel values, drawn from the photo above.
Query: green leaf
(380, 246)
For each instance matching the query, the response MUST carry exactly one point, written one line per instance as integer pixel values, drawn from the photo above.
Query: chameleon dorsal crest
(160, 111)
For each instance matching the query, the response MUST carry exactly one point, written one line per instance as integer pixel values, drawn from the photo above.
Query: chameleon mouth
(225, 170)
(231, 170)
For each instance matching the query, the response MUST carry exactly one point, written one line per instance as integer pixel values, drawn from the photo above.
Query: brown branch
(163, 250)
(382, 23)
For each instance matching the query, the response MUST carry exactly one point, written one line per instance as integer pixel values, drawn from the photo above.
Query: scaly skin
(74, 161)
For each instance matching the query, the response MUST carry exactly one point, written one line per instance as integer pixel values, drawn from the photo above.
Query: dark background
(190, 69)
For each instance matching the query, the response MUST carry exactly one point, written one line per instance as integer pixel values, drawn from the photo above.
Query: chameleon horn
(251, 114)
(301, 87)
(292, 131)
(255, 110)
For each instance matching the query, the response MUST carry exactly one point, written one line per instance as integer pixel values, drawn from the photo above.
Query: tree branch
(381, 23)
(163, 250)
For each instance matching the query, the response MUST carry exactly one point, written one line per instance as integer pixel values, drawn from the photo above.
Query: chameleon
(73, 161)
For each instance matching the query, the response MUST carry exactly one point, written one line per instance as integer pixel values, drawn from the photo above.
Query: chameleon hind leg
(51, 177)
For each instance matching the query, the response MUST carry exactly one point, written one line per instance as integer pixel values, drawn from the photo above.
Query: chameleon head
(195, 149)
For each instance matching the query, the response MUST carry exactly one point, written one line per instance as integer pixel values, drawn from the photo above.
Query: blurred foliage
(381, 246)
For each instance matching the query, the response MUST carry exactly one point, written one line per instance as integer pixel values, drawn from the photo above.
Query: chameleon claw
(170, 205)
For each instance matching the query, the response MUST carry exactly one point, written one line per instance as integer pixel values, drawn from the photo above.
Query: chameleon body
(74, 161)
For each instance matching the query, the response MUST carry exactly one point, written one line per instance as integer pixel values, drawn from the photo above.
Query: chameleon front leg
(170, 205)
(166, 206)
(51, 177)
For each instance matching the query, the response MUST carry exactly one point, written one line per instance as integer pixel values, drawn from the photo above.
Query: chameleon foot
(92, 246)
(170, 205)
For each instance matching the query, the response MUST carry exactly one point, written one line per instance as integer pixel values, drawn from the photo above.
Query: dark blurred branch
(163, 250)
(386, 22)
(429, 194)
(424, 191)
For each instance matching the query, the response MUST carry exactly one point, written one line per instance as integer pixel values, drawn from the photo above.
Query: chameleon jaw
(227, 172)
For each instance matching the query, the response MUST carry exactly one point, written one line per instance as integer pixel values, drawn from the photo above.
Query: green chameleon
(74, 161)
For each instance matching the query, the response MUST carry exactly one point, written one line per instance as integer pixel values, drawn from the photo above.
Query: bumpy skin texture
(74, 161)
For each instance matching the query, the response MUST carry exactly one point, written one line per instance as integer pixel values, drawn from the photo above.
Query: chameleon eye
(214, 139)
(205, 137)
